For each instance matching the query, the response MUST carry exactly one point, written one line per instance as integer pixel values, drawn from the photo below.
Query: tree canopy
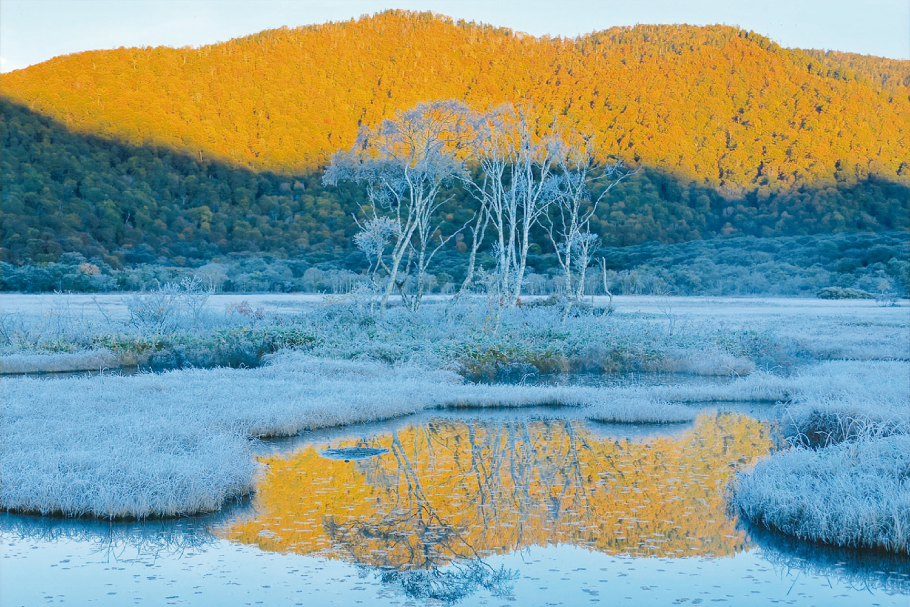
(184, 156)
(717, 105)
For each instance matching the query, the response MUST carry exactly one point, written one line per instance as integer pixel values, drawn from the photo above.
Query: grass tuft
(640, 409)
(845, 481)
(854, 494)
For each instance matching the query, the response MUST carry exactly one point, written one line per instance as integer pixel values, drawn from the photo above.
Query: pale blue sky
(32, 31)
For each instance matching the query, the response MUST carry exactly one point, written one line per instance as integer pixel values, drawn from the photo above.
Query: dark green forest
(874, 264)
(120, 206)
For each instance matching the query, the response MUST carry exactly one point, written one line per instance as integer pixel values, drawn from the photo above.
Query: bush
(843, 293)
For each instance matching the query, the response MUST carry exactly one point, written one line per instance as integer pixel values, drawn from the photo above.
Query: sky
(32, 31)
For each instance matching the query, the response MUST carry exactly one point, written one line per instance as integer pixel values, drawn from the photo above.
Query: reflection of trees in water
(412, 546)
(452, 584)
(419, 530)
(857, 568)
(453, 490)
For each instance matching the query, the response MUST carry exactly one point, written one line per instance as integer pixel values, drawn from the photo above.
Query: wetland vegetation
(440, 352)
(179, 442)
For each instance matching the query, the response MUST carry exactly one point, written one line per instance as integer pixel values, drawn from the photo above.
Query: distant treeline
(119, 206)
(875, 263)
(801, 265)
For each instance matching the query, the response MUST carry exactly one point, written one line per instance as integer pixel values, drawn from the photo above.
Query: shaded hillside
(63, 192)
(716, 105)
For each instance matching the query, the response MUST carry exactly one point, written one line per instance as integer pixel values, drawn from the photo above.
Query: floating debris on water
(347, 453)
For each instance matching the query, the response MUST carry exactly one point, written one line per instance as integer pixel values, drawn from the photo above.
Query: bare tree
(527, 174)
(585, 247)
(609, 308)
(478, 228)
(568, 223)
(373, 239)
(405, 163)
(516, 187)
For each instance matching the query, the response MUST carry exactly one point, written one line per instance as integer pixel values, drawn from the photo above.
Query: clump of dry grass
(854, 494)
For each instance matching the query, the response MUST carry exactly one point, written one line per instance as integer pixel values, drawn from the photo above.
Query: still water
(529, 507)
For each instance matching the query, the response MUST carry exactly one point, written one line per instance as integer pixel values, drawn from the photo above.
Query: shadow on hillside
(69, 192)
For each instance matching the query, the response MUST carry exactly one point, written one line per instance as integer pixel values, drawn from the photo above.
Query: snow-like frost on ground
(178, 442)
(846, 479)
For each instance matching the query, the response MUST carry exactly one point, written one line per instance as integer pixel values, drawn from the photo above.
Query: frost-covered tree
(515, 188)
(569, 218)
(373, 239)
(585, 245)
(313, 279)
(405, 162)
(524, 173)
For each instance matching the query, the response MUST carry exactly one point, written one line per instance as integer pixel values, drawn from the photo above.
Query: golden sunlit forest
(184, 155)
(720, 105)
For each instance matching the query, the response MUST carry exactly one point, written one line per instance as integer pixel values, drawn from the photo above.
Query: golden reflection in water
(451, 489)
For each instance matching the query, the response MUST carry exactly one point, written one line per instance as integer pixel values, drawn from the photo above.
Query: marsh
(555, 474)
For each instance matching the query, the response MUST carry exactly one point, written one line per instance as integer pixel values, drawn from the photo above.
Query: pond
(524, 507)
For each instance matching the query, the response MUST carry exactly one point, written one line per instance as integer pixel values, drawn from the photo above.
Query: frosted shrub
(155, 312)
(169, 308)
(194, 295)
(843, 293)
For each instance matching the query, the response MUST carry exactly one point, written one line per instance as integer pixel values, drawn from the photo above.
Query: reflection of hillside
(452, 490)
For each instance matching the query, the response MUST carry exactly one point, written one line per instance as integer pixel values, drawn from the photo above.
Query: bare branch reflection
(111, 540)
(452, 492)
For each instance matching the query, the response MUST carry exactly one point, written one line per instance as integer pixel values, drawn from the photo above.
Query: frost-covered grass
(179, 442)
(854, 494)
(845, 480)
(692, 335)
(640, 408)
(58, 362)
(849, 400)
(760, 386)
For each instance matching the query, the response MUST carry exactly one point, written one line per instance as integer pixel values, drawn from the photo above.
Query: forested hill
(716, 104)
(184, 155)
(64, 192)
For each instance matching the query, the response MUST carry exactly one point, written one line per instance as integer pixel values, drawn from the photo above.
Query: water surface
(525, 507)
